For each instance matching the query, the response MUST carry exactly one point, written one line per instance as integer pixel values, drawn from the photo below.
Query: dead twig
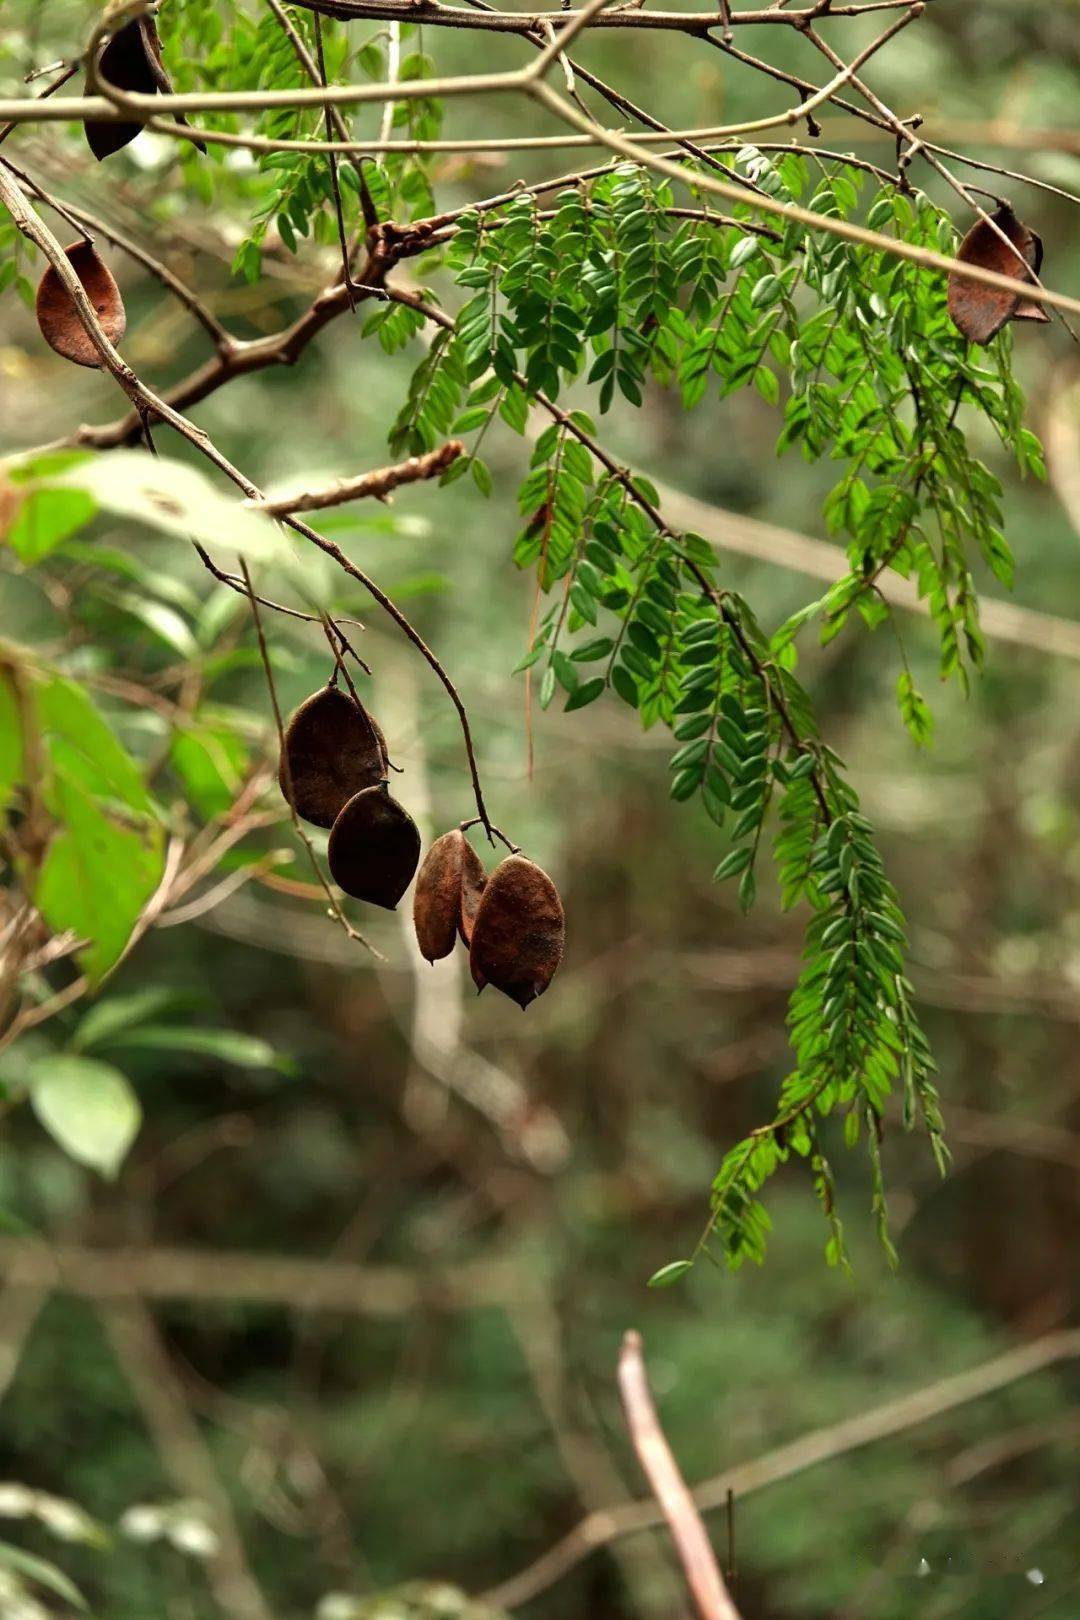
(712, 1599)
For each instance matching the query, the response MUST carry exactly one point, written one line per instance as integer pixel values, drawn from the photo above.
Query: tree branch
(707, 1588)
(785, 1462)
(378, 483)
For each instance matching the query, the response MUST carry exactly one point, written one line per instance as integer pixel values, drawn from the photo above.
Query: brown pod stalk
(980, 312)
(334, 749)
(131, 60)
(451, 869)
(59, 321)
(518, 935)
(374, 847)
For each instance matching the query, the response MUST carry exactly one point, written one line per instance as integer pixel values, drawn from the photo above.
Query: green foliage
(608, 285)
(88, 1107)
(105, 857)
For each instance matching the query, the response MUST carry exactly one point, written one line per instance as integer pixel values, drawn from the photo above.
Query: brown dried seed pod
(451, 868)
(334, 749)
(128, 63)
(517, 939)
(980, 312)
(57, 317)
(131, 60)
(1028, 310)
(374, 847)
(473, 884)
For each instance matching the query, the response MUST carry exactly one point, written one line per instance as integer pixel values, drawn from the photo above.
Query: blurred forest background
(390, 1236)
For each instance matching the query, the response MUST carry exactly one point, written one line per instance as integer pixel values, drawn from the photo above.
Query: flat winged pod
(518, 935)
(451, 871)
(131, 60)
(980, 312)
(374, 847)
(334, 749)
(57, 317)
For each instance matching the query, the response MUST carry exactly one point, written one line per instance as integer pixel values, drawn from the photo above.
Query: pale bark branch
(708, 1590)
(785, 1462)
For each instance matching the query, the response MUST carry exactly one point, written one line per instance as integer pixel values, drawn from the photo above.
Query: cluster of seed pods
(333, 772)
(511, 922)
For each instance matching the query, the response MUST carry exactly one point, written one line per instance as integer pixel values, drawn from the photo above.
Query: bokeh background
(391, 1258)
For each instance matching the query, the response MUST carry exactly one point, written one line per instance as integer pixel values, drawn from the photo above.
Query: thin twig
(707, 1587)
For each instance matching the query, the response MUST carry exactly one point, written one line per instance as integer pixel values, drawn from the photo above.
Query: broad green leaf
(165, 623)
(88, 1107)
(179, 500)
(230, 1045)
(97, 876)
(211, 761)
(82, 745)
(45, 517)
(11, 742)
(106, 1019)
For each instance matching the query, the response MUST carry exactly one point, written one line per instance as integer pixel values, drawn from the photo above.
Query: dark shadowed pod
(131, 60)
(374, 848)
(333, 749)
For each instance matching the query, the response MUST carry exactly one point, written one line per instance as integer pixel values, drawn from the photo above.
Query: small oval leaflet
(58, 319)
(980, 312)
(448, 891)
(518, 935)
(333, 749)
(374, 847)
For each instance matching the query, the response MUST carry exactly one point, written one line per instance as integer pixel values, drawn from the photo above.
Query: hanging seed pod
(517, 938)
(473, 884)
(374, 847)
(334, 749)
(451, 870)
(980, 312)
(131, 60)
(57, 317)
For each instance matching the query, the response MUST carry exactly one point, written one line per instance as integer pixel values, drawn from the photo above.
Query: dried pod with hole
(374, 847)
(59, 321)
(333, 749)
(518, 935)
(979, 312)
(451, 871)
(131, 60)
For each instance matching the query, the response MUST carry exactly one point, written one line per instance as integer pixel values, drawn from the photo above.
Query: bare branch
(379, 483)
(707, 1588)
(809, 1451)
